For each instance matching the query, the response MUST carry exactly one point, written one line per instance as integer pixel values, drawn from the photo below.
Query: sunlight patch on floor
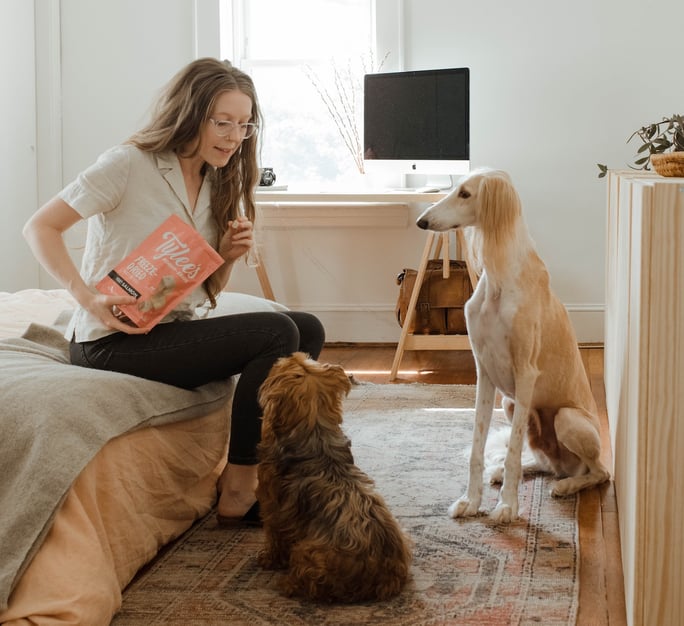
(387, 372)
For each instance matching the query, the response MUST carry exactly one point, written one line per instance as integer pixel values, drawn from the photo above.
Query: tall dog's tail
(495, 455)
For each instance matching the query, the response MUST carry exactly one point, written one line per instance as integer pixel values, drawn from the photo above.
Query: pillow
(42, 306)
(231, 303)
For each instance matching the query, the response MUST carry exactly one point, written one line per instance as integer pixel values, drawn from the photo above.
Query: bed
(98, 470)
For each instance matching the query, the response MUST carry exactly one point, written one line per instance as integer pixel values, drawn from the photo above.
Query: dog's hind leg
(578, 434)
(469, 504)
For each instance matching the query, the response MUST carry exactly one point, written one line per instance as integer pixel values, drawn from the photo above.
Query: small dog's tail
(497, 445)
(495, 455)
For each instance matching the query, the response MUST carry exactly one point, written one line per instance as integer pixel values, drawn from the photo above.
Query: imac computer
(416, 127)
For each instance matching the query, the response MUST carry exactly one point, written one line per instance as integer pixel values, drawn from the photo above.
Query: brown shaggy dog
(323, 520)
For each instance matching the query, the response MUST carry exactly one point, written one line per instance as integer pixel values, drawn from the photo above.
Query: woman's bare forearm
(45, 237)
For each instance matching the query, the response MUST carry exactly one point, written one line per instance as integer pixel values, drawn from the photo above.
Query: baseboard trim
(588, 345)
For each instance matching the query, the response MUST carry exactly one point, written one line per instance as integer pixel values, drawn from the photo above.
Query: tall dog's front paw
(464, 507)
(504, 513)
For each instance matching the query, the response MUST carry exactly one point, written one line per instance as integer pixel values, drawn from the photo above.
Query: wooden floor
(602, 599)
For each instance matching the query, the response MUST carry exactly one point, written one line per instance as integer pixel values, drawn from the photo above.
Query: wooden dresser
(644, 380)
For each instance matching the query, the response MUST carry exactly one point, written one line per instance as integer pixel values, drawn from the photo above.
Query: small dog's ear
(339, 379)
(268, 396)
(333, 385)
(274, 391)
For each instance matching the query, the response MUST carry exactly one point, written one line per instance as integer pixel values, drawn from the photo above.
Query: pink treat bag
(171, 262)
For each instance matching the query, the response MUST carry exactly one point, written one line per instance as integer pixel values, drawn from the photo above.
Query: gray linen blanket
(54, 418)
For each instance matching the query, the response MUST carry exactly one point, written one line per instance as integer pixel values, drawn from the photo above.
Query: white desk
(308, 207)
(370, 196)
(328, 205)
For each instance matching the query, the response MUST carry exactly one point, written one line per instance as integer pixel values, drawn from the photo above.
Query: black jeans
(192, 353)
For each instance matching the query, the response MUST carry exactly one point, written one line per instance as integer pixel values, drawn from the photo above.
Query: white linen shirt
(124, 196)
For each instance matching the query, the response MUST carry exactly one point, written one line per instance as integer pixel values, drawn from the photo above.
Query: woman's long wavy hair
(185, 104)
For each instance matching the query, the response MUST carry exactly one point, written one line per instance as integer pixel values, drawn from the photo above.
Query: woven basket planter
(668, 163)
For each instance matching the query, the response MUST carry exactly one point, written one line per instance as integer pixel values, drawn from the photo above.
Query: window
(307, 59)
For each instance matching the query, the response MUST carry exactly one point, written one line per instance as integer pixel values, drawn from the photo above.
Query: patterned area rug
(413, 440)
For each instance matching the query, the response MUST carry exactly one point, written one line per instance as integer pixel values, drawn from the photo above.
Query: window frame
(387, 22)
(332, 164)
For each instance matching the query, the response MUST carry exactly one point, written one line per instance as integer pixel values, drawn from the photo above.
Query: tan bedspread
(54, 419)
(140, 491)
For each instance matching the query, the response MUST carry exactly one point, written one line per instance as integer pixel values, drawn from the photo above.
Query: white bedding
(40, 306)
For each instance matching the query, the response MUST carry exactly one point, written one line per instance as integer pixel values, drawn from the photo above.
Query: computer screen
(418, 121)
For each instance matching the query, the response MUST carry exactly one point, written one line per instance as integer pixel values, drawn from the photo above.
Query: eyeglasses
(224, 128)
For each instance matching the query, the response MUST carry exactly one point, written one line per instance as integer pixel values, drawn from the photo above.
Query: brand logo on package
(176, 251)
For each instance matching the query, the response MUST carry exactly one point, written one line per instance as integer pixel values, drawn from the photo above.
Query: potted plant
(662, 146)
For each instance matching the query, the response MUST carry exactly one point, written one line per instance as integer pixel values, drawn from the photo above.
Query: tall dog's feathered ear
(499, 209)
(499, 206)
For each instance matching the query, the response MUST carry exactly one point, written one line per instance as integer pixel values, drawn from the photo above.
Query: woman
(197, 159)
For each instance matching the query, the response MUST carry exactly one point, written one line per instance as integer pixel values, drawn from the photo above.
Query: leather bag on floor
(439, 309)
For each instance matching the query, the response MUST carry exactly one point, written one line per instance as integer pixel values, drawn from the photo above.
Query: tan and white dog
(524, 346)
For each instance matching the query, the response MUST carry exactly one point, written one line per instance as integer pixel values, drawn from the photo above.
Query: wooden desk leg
(410, 312)
(464, 251)
(442, 248)
(264, 281)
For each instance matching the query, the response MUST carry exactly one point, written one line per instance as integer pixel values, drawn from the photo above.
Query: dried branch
(343, 102)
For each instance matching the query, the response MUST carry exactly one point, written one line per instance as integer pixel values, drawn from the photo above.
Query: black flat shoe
(251, 518)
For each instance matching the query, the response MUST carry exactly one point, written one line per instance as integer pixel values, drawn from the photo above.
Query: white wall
(115, 58)
(18, 186)
(97, 69)
(556, 88)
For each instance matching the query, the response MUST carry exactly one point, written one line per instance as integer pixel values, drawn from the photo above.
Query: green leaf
(662, 144)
